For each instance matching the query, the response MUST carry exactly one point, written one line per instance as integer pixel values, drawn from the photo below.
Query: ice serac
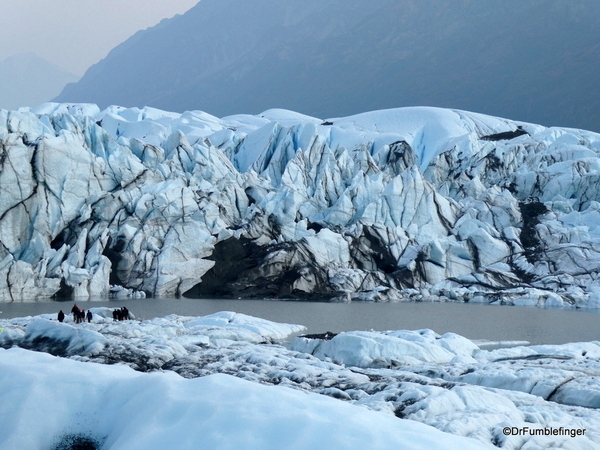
(418, 203)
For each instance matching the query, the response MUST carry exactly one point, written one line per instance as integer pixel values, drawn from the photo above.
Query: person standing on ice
(89, 316)
(75, 312)
(61, 316)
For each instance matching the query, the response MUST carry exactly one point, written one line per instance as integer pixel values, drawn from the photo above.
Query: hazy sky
(74, 34)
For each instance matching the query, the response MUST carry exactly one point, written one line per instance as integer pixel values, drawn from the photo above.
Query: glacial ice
(245, 385)
(418, 203)
(116, 408)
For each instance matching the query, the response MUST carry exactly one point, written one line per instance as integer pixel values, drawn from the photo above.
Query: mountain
(419, 203)
(28, 80)
(534, 60)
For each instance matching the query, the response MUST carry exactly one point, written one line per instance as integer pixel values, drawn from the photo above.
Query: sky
(74, 34)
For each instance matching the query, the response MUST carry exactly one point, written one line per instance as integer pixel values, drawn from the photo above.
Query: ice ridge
(420, 203)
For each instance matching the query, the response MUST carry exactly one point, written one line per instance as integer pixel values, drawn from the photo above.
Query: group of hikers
(121, 314)
(80, 315)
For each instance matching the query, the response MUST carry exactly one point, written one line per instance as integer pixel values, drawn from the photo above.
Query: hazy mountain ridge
(28, 80)
(532, 60)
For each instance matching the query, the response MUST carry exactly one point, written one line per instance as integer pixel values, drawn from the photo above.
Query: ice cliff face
(413, 202)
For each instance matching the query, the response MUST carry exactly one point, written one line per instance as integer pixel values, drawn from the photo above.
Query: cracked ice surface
(442, 381)
(419, 203)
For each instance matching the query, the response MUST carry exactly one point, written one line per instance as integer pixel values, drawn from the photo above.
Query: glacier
(410, 203)
(118, 409)
(227, 381)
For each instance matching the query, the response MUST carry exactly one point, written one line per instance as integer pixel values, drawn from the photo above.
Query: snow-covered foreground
(223, 381)
(122, 409)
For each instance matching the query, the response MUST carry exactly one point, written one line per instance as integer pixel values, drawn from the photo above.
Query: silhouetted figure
(125, 313)
(89, 316)
(115, 314)
(75, 312)
(61, 316)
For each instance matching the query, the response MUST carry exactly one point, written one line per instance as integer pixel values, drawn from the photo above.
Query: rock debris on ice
(446, 382)
(418, 203)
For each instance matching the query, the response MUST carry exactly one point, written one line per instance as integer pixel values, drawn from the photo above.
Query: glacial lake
(474, 321)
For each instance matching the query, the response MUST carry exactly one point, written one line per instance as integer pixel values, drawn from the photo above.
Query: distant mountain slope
(533, 60)
(28, 80)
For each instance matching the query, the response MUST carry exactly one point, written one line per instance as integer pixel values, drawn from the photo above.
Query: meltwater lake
(474, 321)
